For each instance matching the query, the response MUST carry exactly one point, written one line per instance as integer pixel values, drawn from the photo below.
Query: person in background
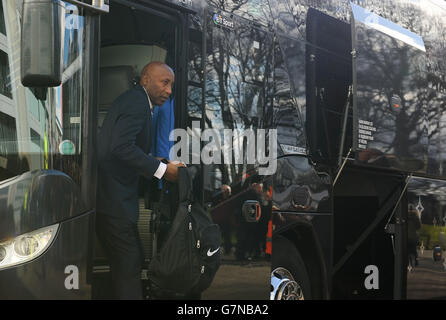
(413, 225)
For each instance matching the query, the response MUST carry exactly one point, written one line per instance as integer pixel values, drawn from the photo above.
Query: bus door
(132, 35)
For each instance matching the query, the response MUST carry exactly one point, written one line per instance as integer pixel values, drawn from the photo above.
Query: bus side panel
(302, 205)
(28, 197)
(368, 242)
(298, 187)
(312, 236)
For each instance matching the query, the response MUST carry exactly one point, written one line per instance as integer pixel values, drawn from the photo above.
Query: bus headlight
(26, 247)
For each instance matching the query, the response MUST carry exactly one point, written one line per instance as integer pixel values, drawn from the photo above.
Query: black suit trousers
(120, 240)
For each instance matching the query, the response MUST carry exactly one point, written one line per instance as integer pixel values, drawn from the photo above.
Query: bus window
(195, 78)
(289, 96)
(237, 93)
(42, 127)
(390, 91)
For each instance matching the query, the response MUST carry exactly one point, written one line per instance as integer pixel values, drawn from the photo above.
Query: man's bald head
(157, 78)
(154, 66)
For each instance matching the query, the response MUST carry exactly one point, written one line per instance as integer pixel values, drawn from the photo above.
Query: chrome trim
(284, 287)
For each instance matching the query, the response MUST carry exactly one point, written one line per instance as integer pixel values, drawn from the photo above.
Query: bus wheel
(289, 278)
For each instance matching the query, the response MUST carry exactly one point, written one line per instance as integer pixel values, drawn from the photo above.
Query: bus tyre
(289, 276)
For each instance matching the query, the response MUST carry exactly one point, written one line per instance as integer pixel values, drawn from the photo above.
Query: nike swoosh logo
(211, 253)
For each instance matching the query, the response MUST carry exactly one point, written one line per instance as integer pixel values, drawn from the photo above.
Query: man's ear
(144, 79)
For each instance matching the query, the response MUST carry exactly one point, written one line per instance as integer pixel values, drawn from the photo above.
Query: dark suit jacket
(123, 146)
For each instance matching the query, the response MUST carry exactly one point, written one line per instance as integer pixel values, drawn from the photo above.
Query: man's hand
(171, 173)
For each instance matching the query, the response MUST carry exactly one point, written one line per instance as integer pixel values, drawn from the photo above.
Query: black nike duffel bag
(190, 254)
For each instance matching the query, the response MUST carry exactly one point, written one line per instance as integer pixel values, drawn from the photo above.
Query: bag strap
(185, 192)
(164, 190)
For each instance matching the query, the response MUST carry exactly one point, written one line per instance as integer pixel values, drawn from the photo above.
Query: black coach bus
(354, 91)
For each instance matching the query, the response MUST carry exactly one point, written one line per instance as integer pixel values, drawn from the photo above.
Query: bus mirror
(42, 43)
(40, 93)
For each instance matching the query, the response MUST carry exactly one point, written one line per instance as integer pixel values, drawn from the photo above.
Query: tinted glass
(238, 106)
(238, 89)
(390, 124)
(41, 128)
(195, 74)
(289, 96)
(256, 11)
(290, 16)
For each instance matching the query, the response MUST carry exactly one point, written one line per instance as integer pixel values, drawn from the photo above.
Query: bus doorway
(131, 37)
(236, 97)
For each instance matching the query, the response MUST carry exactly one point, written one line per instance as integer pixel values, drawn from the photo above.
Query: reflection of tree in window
(287, 116)
(194, 65)
(237, 85)
(194, 98)
(238, 65)
(387, 68)
(5, 84)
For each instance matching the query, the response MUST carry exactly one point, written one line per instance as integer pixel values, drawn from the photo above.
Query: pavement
(240, 281)
(428, 279)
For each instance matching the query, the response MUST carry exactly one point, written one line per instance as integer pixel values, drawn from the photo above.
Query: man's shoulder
(133, 99)
(135, 94)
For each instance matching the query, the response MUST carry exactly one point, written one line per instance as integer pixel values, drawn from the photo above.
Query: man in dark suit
(123, 154)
